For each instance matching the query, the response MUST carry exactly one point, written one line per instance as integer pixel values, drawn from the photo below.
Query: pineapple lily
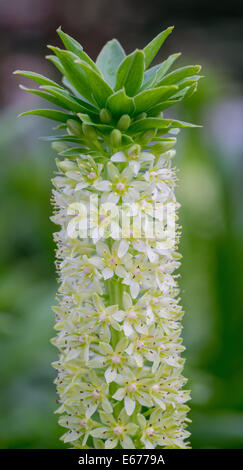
(118, 318)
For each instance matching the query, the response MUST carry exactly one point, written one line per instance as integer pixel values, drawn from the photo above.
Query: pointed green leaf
(70, 87)
(165, 66)
(90, 62)
(153, 47)
(148, 123)
(100, 89)
(161, 107)
(44, 95)
(165, 143)
(73, 46)
(127, 140)
(156, 73)
(73, 151)
(86, 119)
(74, 73)
(60, 127)
(56, 62)
(61, 98)
(109, 60)
(105, 128)
(119, 103)
(61, 138)
(149, 77)
(50, 114)
(36, 77)
(179, 75)
(190, 91)
(182, 124)
(83, 102)
(148, 98)
(130, 73)
(188, 82)
(187, 91)
(69, 101)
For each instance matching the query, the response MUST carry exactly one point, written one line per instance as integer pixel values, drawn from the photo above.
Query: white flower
(114, 261)
(132, 389)
(138, 275)
(93, 391)
(110, 359)
(104, 222)
(134, 159)
(123, 186)
(134, 316)
(118, 320)
(116, 430)
(78, 223)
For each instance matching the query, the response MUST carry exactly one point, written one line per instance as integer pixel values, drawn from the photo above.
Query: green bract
(119, 83)
(118, 320)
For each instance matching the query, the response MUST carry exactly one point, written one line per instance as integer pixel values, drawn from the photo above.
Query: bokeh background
(211, 179)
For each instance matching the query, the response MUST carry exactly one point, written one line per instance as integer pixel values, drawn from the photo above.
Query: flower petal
(120, 271)
(107, 273)
(70, 436)
(127, 301)
(141, 420)
(100, 432)
(119, 395)
(81, 186)
(159, 402)
(131, 428)
(135, 166)
(112, 197)
(127, 443)
(129, 405)
(111, 443)
(146, 156)
(128, 330)
(118, 157)
(110, 375)
(112, 171)
(122, 249)
(101, 249)
(91, 409)
(103, 185)
(118, 316)
(134, 288)
(106, 405)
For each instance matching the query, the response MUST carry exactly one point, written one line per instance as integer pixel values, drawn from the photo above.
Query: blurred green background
(211, 179)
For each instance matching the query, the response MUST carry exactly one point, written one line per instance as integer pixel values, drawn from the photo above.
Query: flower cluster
(118, 318)
(118, 321)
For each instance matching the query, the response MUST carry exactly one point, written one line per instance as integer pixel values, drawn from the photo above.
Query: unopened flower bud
(89, 131)
(147, 136)
(66, 165)
(124, 122)
(165, 145)
(115, 138)
(74, 127)
(59, 147)
(105, 116)
(159, 115)
(134, 150)
(169, 155)
(140, 116)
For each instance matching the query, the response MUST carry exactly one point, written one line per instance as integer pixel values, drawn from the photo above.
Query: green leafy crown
(115, 102)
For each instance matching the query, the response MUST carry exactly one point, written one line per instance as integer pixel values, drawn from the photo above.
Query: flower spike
(118, 318)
